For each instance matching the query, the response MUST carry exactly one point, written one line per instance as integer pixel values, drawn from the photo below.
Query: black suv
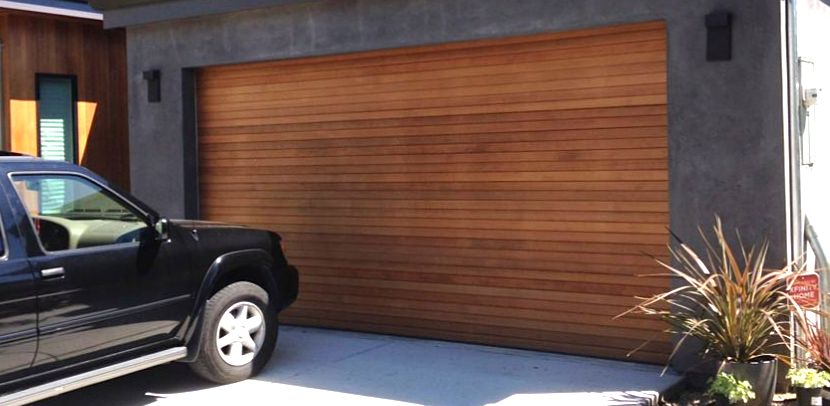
(94, 284)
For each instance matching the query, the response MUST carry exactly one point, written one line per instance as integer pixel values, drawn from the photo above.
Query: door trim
(114, 314)
(18, 336)
(90, 378)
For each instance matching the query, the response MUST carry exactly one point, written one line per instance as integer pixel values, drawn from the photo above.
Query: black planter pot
(721, 400)
(761, 375)
(825, 396)
(809, 396)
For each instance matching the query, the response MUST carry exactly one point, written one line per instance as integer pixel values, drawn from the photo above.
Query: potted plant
(733, 305)
(815, 342)
(808, 383)
(728, 390)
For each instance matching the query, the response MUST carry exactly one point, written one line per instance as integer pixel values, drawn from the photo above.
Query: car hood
(218, 238)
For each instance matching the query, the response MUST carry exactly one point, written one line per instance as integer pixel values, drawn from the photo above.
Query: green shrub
(725, 384)
(808, 378)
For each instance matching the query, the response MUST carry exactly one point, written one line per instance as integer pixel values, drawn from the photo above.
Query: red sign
(805, 291)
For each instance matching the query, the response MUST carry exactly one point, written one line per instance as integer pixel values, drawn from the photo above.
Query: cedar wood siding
(43, 44)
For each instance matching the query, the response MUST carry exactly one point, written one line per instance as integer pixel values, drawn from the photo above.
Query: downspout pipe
(821, 256)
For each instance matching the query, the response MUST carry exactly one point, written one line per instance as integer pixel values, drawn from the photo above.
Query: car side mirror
(162, 229)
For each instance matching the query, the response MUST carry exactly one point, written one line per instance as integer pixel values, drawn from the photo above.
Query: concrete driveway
(323, 367)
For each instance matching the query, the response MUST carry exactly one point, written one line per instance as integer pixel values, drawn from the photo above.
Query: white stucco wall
(813, 42)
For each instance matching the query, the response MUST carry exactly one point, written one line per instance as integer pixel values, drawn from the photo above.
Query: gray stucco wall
(726, 128)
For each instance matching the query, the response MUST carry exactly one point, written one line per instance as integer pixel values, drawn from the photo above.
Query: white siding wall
(812, 42)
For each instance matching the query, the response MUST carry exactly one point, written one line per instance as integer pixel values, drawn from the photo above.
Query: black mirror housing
(162, 229)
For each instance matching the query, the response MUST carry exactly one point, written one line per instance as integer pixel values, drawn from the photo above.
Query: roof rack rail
(9, 153)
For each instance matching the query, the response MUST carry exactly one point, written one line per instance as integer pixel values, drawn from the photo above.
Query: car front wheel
(239, 334)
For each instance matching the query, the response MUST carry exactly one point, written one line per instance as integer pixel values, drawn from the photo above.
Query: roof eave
(53, 7)
(104, 5)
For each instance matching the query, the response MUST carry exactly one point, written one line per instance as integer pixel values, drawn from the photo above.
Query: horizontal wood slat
(456, 186)
(428, 83)
(644, 218)
(443, 204)
(324, 292)
(548, 157)
(496, 258)
(253, 142)
(460, 245)
(329, 100)
(459, 148)
(493, 293)
(534, 225)
(476, 124)
(525, 102)
(508, 275)
(520, 235)
(489, 320)
(578, 321)
(508, 192)
(639, 198)
(640, 52)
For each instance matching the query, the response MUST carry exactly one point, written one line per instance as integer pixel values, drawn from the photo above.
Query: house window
(56, 118)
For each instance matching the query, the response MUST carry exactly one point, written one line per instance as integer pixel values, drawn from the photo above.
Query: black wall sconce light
(153, 78)
(719, 36)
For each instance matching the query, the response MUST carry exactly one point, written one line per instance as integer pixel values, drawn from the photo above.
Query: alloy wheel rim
(240, 333)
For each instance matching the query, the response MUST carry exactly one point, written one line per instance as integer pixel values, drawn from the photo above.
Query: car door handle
(52, 273)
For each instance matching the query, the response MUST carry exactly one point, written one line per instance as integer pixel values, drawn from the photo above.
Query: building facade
(473, 170)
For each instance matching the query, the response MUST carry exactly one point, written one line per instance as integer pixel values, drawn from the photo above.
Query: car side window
(71, 212)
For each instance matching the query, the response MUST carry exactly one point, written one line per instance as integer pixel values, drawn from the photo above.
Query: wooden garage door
(501, 192)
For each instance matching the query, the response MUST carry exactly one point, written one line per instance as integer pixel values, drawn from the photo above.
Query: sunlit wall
(813, 35)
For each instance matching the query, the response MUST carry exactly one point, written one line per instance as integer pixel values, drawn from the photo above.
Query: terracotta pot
(809, 396)
(760, 374)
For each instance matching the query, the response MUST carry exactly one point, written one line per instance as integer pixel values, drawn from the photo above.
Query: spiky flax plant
(736, 307)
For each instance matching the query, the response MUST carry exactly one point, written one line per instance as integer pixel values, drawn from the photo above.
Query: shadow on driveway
(314, 366)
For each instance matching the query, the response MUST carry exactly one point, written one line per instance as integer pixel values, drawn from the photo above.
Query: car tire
(227, 354)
